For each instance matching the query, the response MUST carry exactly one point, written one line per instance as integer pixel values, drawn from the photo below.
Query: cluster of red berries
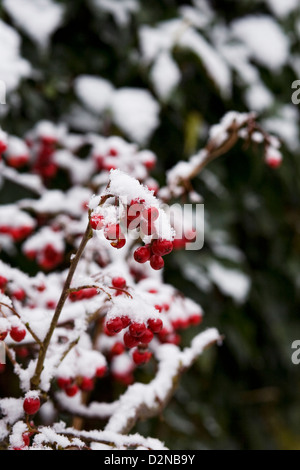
(154, 253)
(16, 233)
(72, 386)
(142, 217)
(138, 335)
(44, 164)
(3, 147)
(47, 258)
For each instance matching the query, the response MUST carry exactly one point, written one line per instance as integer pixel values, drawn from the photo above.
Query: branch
(142, 401)
(35, 381)
(223, 138)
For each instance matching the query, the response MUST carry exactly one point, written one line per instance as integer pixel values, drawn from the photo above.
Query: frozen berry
(71, 390)
(161, 247)
(114, 325)
(63, 382)
(142, 254)
(31, 405)
(119, 243)
(146, 337)
(137, 329)
(119, 282)
(117, 349)
(26, 439)
(125, 321)
(100, 372)
(3, 282)
(17, 334)
(156, 262)
(87, 384)
(3, 335)
(155, 324)
(130, 341)
(141, 357)
(19, 295)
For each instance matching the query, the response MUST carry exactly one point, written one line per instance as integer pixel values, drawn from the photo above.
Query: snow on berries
(32, 403)
(139, 212)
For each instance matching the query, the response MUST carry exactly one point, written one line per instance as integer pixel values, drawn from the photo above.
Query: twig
(35, 381)
(35, 337)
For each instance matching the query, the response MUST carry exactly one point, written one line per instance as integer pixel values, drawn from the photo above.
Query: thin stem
(35, 337)
(35, 381)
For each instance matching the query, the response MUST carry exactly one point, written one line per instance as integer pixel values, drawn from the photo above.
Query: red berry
(141, 357)
(156, 262)
(195, 319)
(71, 390)
(119, 243)
(161, 247)
(17, 162)
(26, 439)
(31, 405)
(130, 341)
(17, 334)
(155, 324)
(90, 292)
(22, 352)
(137, 329)
(117, 349)
(30, 254)
(142, 254)
(3, 282)
(3, 146)
(3, 335)
(146, 337)
(100, 372)
(125, 321)
(151, 214)
(76, 295)
(115, 325)
(113, 152)
(51, 304)
(19, 295)
(119, 282)
(97, 222)
(63, 382)
(87, 384)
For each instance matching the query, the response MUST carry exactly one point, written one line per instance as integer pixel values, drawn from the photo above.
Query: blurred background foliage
(244, 394)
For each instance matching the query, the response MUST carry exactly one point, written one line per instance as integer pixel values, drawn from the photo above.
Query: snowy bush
(67, 328)
(96, 339)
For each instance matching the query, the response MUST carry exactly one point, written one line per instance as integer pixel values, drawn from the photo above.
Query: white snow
(258, 97)
(37, 18)
(231, 282)
(95, 92)
(121, 11)
(265, 39)
(136, 112)
(12, 66)
(165, 75)
(283, 8)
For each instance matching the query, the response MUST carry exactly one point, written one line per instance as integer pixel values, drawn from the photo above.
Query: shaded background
(245, 394)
